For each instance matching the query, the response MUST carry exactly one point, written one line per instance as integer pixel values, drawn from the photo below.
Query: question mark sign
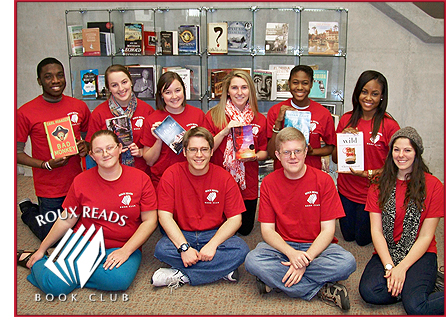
(218, 30)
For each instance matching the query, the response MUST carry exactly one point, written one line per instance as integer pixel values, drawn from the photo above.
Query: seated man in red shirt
(297, 210)
(200, 207)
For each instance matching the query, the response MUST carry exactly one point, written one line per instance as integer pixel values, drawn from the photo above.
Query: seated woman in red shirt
(405, 207)
(118, 200)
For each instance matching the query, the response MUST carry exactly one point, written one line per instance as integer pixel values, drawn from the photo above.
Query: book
(195, 79)
(350, 151)
(144, 80)
(150, 41)
(169, 42)
(188, 39)
(133, 39)
(335, 120)
(101, 89)
(276, 38)
(216, 77)
(89, 82)
(61, 139)
(239, 36)
(122, 127)
(106, 36)
(300, 120)
(320, 81)
(282, 77)
(75, 37)
(185, 76)
(331, 107)
(218, 38)
(323, 38)
(265, 82)
(91, 42)
(171, 133)
(243, 141)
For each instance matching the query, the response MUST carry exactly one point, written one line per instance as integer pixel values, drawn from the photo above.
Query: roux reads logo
(88, 260)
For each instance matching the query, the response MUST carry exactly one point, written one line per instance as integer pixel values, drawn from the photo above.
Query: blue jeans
(229, 256)
(356, 223)
(333, 264)
(417, 295)
(47, 206)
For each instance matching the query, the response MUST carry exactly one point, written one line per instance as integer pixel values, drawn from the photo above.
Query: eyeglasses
(203, 150)
(108, 149)
(287, 154)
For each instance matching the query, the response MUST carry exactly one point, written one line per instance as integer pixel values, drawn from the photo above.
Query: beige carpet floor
(218, 299)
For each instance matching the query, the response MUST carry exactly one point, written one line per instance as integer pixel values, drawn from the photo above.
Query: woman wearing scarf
(122, 101)
(238, 107)
(405, 207)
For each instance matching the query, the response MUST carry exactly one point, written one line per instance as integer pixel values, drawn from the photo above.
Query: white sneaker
(170, 277)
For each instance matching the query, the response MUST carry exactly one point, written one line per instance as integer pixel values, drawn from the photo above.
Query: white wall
(414, 69)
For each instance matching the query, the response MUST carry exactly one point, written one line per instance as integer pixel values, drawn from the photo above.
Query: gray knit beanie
(411, 133)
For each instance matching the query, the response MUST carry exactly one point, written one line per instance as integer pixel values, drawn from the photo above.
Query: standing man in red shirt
(298, 208)
(199, 208)
(52, 177)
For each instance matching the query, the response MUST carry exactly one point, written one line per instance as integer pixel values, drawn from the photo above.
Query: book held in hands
(350, 151)
(243, 141)
(171, 133)
(300, 120)
(60, 136)
(122, 127)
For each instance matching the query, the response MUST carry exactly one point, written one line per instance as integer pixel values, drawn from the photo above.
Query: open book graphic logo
(88, 260)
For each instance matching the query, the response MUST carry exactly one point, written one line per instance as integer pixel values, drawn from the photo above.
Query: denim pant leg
(356, 223)
(417, 295)
(229, 256)
(333, 264)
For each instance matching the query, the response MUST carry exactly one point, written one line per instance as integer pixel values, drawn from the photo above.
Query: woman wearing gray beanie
(405, 207)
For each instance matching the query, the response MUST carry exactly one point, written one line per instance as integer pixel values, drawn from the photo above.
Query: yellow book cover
(61, 139)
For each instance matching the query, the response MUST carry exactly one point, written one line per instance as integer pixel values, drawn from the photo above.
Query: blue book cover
(300, 120)
(188, 39)
(89, 82)
(171, 133)
(320, 81)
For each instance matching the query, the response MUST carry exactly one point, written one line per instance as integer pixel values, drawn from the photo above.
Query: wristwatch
(183, 247)
(388, 267)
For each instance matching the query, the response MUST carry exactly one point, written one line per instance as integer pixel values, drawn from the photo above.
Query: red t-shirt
(199, 203)
(321, 127)
(115, 206)
(30, 118)
(251, 168)
(102, 113)
(354, 187)
(297, 207)
(434, 205)
(188, 119)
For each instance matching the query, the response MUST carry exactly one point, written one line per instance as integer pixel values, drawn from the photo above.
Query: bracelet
(370, 176)
(275, 130)
(47, 166)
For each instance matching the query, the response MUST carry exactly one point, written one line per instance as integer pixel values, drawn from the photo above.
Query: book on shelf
(216, 77)
(133, 38)
(189, 39)
(218, 38)
(122, 127)
(150, 41)
(276, 38)
(144, 80)
(300, 120)
(323, 38)
(282, 77)
(330, 106)
(75, 37)
(320, 81)
(91, 42)
(60, 136)
(169, 42)
(171, 133)
(335, 120)
(89, 82)
(101, 88)
(239, 36)
(195, 79)
(265, 82)
(185, 76)
(350, 151)
(106, 37)
(243, 141)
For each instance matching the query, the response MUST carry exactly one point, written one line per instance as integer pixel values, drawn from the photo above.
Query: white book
(282, 77)
(350, 151)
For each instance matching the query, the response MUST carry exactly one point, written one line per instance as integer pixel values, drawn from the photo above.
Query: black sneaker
(439, 282)
(233, 276)
(261, 286)
(335, 295)
(25, 205)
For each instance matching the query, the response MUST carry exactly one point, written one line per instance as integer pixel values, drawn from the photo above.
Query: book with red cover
(149, 42)
(61, 139)
(243, 141)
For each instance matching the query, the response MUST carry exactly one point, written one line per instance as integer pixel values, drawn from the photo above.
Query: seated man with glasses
(297, 211)
(200, 207)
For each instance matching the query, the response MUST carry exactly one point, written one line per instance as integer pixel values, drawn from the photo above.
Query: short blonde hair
(289, 134)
